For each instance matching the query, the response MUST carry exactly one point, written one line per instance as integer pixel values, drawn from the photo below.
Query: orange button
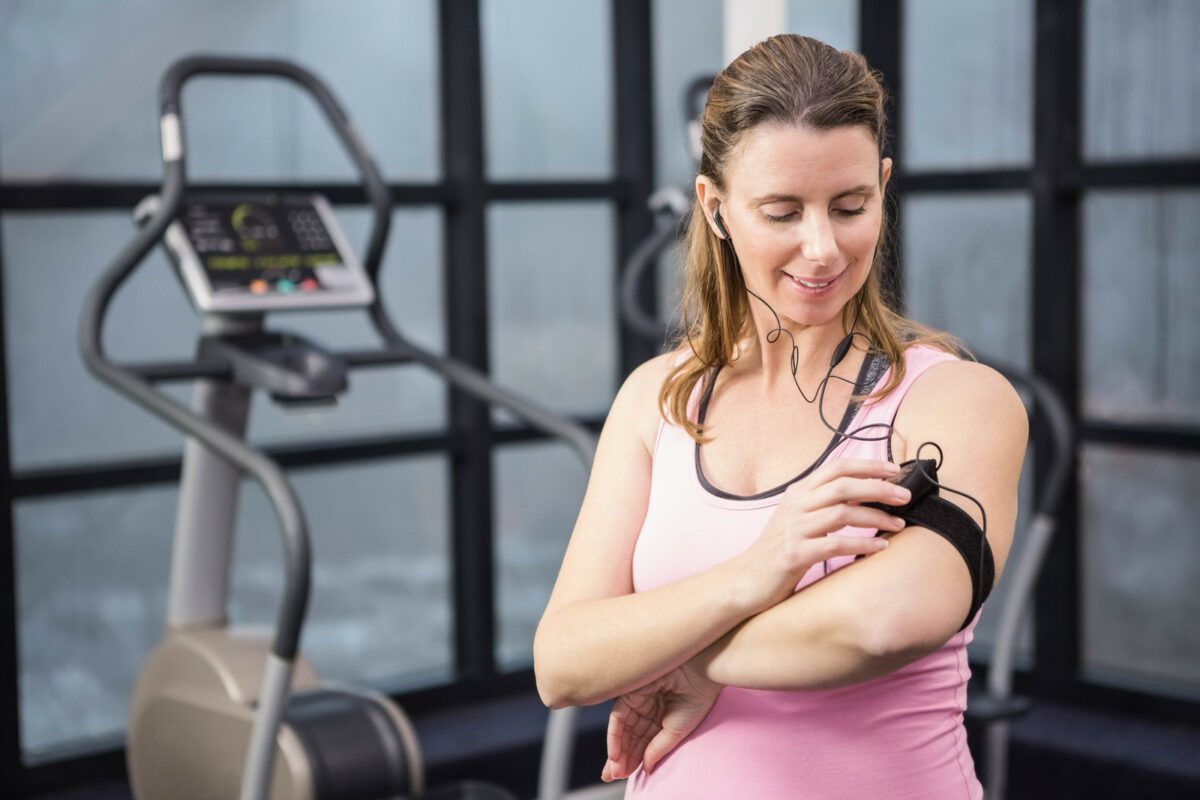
(259, 287)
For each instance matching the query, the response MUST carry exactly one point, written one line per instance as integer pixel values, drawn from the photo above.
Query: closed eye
(843, 212)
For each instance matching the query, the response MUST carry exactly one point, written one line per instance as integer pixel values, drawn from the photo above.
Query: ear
(709, 198)
(885, 173)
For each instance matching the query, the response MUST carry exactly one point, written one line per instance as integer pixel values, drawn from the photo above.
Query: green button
(285, 286)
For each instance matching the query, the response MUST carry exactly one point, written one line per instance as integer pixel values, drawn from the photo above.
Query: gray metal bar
(1025, 571)
(260, 757)
(206, 517)
(557, 750)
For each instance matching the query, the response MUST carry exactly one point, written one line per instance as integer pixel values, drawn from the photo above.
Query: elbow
(554, 704)
(548, 697)
(891, 640)
(879, 641)
(550, 681)
(552, 695)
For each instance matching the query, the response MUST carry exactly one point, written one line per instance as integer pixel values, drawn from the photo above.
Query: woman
(724, 581)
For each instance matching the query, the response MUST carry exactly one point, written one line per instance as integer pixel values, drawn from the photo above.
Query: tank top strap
(693, 404)
(917, 359)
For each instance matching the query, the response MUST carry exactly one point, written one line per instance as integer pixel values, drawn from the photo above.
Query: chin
(809, 317)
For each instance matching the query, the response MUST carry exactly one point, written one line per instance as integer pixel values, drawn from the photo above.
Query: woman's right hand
(795, 538)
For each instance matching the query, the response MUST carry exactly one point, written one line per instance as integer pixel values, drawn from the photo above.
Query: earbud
(720, 224)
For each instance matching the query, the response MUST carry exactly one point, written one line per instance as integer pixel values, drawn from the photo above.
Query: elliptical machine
(218, 713)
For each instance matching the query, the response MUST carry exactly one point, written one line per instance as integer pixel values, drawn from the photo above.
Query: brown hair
(794, 80)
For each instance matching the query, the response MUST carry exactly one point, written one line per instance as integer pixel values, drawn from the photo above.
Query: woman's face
(802, 206)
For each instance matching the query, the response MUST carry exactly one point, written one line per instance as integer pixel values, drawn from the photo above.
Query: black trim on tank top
(873, 367)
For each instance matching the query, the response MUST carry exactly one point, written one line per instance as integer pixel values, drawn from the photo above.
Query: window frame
(1057, 180)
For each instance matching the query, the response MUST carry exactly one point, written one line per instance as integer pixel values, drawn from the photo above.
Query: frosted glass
(1141, 80)
(834, 22)
(968, 84)
(552, 303)
(1141, 306)
(91, 578)
(548, 95)
(966, 270)
(60, 414)
(539, 489)
(1140, 566)
(79, 87)
(381, 601)
(92, 589)
(687, 44)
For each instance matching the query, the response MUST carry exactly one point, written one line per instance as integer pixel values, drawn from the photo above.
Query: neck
(768, 351)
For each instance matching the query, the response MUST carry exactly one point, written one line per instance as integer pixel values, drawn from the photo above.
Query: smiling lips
(814, 284)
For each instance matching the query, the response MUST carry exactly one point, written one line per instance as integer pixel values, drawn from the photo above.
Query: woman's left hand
(648, 723)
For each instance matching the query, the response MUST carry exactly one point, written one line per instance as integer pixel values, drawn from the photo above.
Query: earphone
(839, 354)
(721, 225)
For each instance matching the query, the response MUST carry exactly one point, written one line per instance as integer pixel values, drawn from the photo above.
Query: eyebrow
(862, 188)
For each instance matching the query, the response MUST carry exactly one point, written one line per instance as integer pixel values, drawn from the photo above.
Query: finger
(632, 724)
(620, 722)
(857, 490)
(659, 747)
(641, 735)
(853, 467)
(834, 518)
(636, 754)
(614, 734)
(852, 545)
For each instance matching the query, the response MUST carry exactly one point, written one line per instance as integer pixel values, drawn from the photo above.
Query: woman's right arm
(597, 638)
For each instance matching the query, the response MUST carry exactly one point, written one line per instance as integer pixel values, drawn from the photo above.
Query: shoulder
(980, 426)
(636, 403)
(963, 399)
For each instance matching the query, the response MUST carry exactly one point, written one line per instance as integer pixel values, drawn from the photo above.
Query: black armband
(957, 527)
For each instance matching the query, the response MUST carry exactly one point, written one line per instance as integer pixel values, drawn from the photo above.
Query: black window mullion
(634, 160)
(77, 195)
(1159, 174)
(569, 190)
(10, 693)
(1056, 302)
(461, 77)
(1180, 438)
(880, 40)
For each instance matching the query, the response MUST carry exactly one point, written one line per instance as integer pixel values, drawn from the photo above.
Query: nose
(817, 241)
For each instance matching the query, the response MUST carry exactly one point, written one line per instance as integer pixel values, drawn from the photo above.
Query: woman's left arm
(872, 617)
(907, 601)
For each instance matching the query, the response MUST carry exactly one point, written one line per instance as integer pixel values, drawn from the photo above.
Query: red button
(309, 285)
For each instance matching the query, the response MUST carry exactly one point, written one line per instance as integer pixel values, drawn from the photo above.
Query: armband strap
(957, 527)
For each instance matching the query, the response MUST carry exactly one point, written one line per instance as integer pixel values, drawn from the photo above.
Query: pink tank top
(900, 736)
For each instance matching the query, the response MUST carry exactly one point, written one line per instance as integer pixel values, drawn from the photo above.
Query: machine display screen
(273, 245)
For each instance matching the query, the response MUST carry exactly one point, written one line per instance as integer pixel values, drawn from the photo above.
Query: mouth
(813, 287)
